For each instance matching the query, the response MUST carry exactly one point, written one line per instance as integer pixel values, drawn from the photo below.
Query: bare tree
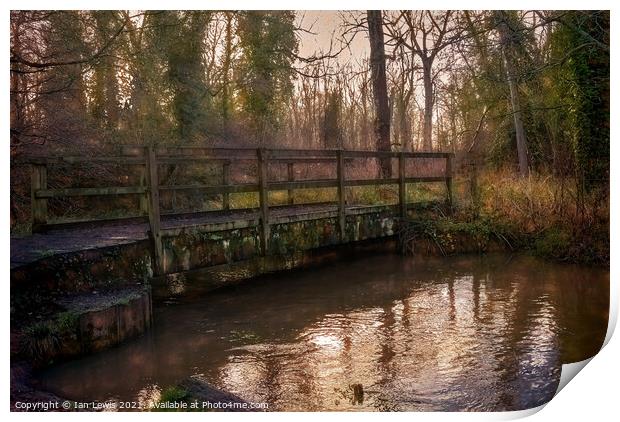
(402, 82)
(426, 34)
(226, 83)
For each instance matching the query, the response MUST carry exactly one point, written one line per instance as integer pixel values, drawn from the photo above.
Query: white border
(593, 395)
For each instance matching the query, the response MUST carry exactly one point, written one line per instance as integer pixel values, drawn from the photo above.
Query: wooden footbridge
(258, 171)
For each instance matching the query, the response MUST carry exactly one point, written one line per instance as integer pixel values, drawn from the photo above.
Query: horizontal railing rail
(148, 160)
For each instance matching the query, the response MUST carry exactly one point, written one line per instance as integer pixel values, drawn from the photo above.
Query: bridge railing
(149, 159)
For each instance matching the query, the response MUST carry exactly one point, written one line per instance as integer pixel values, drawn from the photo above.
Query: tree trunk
(514, 98)
(379, 88)
(427, 136)
(364, 125)
(405, 129)
(226, 102)
(112, 105)
(519, 130)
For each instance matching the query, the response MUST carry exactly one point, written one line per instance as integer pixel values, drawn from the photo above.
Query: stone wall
(193, 248)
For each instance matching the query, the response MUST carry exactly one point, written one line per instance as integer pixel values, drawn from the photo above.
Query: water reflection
(464, 333)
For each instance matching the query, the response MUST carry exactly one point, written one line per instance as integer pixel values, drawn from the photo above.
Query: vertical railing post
(144, 199)
(341, 196)
(226, 182)
(38, 181)
(290, 178)
(263, 198)
(153, 208)
(402, 186)
(449, 180)
(134, 151)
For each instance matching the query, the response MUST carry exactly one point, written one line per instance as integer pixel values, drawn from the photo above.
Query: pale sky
(323, 24)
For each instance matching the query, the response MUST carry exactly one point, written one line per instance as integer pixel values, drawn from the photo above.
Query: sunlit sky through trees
(325, 26)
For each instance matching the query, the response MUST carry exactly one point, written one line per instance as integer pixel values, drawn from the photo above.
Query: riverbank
(549, 216)
(457, 233)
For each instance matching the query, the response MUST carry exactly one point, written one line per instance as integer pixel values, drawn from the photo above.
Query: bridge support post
(291, 178)
(153, 208)
(144, 199)
(38, 180)
(402, 186)
(263, 198)
(341, 196)
(449, 181)
(226, 182)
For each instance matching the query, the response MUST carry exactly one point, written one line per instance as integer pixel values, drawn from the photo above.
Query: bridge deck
(28, 249)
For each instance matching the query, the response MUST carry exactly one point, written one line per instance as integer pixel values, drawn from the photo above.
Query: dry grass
(545, 211)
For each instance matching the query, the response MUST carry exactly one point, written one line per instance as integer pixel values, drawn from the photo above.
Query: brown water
(462, 333)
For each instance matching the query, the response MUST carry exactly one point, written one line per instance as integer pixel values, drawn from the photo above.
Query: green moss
(553, 243)
(67, 321)
(243, 336)
(40, 341)
(124, 301)
(170, 396)
(45, 252)
(563, 244)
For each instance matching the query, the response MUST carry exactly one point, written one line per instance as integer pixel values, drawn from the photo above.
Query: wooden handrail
(224, 155)
(69, 160)
(214, 189)
(56, 193)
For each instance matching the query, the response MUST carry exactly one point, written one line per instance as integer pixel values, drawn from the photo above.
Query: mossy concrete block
(195, 249)
(88, 323)
(102, 328)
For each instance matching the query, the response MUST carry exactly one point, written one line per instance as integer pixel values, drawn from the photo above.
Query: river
(419, 334)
